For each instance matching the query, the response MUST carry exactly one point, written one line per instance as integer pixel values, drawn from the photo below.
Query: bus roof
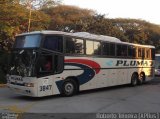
(87, 36)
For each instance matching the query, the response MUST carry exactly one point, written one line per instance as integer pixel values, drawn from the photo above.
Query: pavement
(144, 99)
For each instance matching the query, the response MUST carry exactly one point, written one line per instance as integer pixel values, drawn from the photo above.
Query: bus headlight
(29, 84)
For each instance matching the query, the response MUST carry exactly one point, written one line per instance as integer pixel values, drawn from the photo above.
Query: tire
(141, 78)
(70, 88)
(134, 80)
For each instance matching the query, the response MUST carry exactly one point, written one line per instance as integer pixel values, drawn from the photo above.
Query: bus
(157, 64)
(54, 62)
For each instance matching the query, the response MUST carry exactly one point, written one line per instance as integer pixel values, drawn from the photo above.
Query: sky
(148, 10)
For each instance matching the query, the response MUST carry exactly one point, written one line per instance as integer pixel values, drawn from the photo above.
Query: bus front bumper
(23, 90)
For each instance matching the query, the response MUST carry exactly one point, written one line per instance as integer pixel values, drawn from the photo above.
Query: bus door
(48, 66)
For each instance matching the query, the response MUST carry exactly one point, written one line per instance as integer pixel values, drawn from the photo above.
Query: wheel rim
(69, 88)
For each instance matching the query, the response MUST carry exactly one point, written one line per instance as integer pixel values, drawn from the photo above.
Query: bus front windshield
(23, 62)
(28, 41)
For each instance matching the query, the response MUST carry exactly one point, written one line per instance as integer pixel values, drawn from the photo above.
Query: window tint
(45, 63)
(121, 50)
(54, 43)
(143, 53)
(93, 47)
(97, 48)
(28, 41)
(112, 49)
(49, 64)
(147, 53)
(106, 49)
(139, 52)
(131, 51)
(74, 45)
(153, 53)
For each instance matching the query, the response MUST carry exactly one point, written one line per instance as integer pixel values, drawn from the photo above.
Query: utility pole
(29, 18)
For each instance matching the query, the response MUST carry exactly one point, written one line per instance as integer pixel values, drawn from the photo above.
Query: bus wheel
(141, 78)
(69, 88)
(134, 79)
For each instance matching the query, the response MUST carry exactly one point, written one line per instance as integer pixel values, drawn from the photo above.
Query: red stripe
(90, 63)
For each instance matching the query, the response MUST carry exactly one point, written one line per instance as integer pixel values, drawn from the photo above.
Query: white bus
(54, 62)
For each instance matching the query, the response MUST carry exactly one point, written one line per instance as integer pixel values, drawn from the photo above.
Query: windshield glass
(28, 41)
(23, 63)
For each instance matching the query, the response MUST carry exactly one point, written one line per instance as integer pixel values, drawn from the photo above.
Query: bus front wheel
(69, 87)
(134, 79)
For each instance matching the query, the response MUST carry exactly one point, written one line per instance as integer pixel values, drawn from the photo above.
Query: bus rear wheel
(134, 79)
(70, 88)
(141, 78)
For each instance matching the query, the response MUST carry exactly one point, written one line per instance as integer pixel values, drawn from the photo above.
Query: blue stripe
(83, 78)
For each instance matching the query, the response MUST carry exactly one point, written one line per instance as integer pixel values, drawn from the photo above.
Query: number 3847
(45, 87)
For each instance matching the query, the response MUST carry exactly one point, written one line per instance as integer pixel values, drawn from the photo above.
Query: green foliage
(39, 4)
(65, 18)
(14, 20)
(139, 31)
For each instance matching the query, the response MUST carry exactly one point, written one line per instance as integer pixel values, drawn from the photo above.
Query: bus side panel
(45, 86)
(100, 72)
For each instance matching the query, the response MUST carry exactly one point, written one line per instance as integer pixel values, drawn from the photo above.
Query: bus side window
(89, 47)
(112, 49)
(131, 51)
(148, 56)
(50, 64)
(93, 47)
(54, 43)
(121, 50)
(97, 48)
(143, 53)
(153, 54)
(139, 52)
(58, 63)
(105, 49)
(74, 45)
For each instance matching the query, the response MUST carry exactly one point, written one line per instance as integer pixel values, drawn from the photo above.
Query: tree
(139, 31)
(39, 4)
(65, 18)
(74, 19)
(14, 20)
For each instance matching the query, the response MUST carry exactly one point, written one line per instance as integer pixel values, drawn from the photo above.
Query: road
(119, 99)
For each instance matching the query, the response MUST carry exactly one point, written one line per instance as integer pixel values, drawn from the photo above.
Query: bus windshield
(22, 62)
(28, 41)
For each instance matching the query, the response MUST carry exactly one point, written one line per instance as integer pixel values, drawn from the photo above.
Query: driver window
(45, 63)
(50, 64)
